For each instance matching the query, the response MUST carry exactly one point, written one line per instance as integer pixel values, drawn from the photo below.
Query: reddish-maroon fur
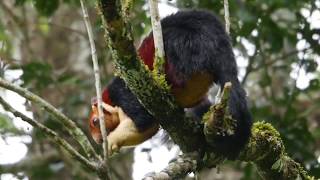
(146, 52)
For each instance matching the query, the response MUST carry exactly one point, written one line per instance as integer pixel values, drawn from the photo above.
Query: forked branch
(218, 121)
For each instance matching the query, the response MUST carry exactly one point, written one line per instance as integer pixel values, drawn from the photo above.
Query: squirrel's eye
(95, 122)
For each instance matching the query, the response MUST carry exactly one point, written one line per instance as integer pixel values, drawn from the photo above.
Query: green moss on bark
(265, 147)
(150, 88)
(267, 151)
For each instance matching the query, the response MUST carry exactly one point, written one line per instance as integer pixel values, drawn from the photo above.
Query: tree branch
(218, 121)
(104, 174)
(177, 169)
(226, 15)
(155, 96)
(10, 13)
(53, 135)
(30, 163)
(265, 148)
(151, 91)
(250, 69)
(70, 126)
(97, 81)
(158, 63)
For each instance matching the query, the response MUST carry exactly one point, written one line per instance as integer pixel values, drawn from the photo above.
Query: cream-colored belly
(194, 90)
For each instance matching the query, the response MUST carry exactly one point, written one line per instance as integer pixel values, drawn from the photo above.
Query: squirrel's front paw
(113, 146)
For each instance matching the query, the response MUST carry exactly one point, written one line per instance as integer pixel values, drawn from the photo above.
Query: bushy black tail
(196, 41)
(227, 72)
(230, 146)
(200, 109)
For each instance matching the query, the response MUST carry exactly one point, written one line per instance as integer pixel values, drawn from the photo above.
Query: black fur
(195, 41)
(121, 96)
(200, 109)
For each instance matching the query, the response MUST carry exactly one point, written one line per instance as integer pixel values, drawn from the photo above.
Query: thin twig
(97, 77)
(70, 126)
(283, 57)
(53, 135)
(157, 36)
(65, 28)
(10, 13)
(227, 15)
(97, 81)
(250, 69)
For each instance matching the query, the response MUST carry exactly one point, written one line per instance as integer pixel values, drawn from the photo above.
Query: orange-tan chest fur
(194, 89)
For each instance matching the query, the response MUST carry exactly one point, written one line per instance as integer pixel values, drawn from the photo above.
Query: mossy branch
(178, 168)
(154, 95)
(93, 162)
(218, 121)
(50, 133)
(31, 162)
(69, 125)
(266, 150)
(152, 92)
